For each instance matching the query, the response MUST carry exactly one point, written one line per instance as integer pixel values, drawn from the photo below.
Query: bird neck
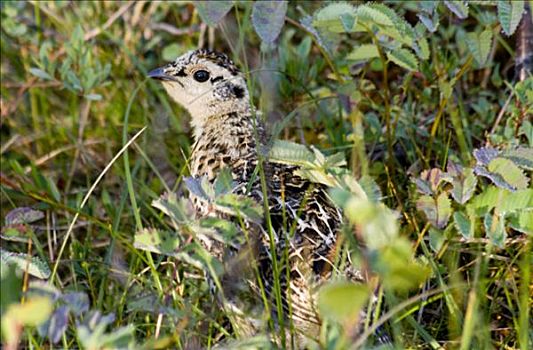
(204, 116)
(232, 139)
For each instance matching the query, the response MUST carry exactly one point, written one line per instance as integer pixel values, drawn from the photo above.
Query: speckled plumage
(228, 134)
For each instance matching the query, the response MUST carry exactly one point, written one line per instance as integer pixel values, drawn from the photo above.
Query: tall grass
(92, 151)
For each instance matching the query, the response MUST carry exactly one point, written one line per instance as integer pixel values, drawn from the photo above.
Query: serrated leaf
(326, 39)
(430, 22)
(212, 12)
(522, 222)
(227, 229)
(427, 6)
(495, 229)
(403, 31)
(333, 17)
(509, 202)
(39, 73)
(464, 185)
(437, 211)
(363, 52)
(371, 188)
(509, 14)
(348, 22)
(509, 172)
(479, 45)
(422, 186)
(404, 58)
(176, 208)
(431, 180)
(235, 205)
(197, 186)
(485, 155)
(444, 210)
(268, 18)
(459, 8)
(156, 241)
(287, 152)
(342, 301)
(224, 182)
(374, 14)
(422, 48)
(464, 225)
(496, 179)
(522, 157)
(436, 239)
(23, 215)
(34, 265)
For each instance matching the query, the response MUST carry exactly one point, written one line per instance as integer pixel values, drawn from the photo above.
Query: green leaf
(39, 73)
(495, 229)
(375, 14)
(436, 239)
(178, 209)
(363, 52)
(327, 40)
(76, 40)
(464, 185)
(509, 171)
(437, 211)
(521, 156)
(224, 182)
(34, 265)
(160, 242)
(371, 188)
(444, 210)
(464, 225)
(514, 201)
(342, 301)
(459, 8)
(422, 48)
(291, 153)
(430, 22)
(522, 222)
(268, 18)
(395, 265)
(377, 223)
(33, 312)
(479, 45)
(510, 14)
(333, 17)
(170, 52)
(212, 12)
(10, 286)
(239, 206)
(404, 58)
(400, 30)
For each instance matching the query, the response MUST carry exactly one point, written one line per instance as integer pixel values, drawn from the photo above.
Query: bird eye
(201, 76)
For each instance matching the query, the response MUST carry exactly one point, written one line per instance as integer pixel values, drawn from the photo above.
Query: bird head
(206, 83)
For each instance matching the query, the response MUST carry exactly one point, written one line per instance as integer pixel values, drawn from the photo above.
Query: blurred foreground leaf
(342, 301)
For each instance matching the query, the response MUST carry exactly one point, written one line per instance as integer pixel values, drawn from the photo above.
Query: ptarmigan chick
(228, 134)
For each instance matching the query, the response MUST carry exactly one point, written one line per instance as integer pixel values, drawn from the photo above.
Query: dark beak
(159, 73)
